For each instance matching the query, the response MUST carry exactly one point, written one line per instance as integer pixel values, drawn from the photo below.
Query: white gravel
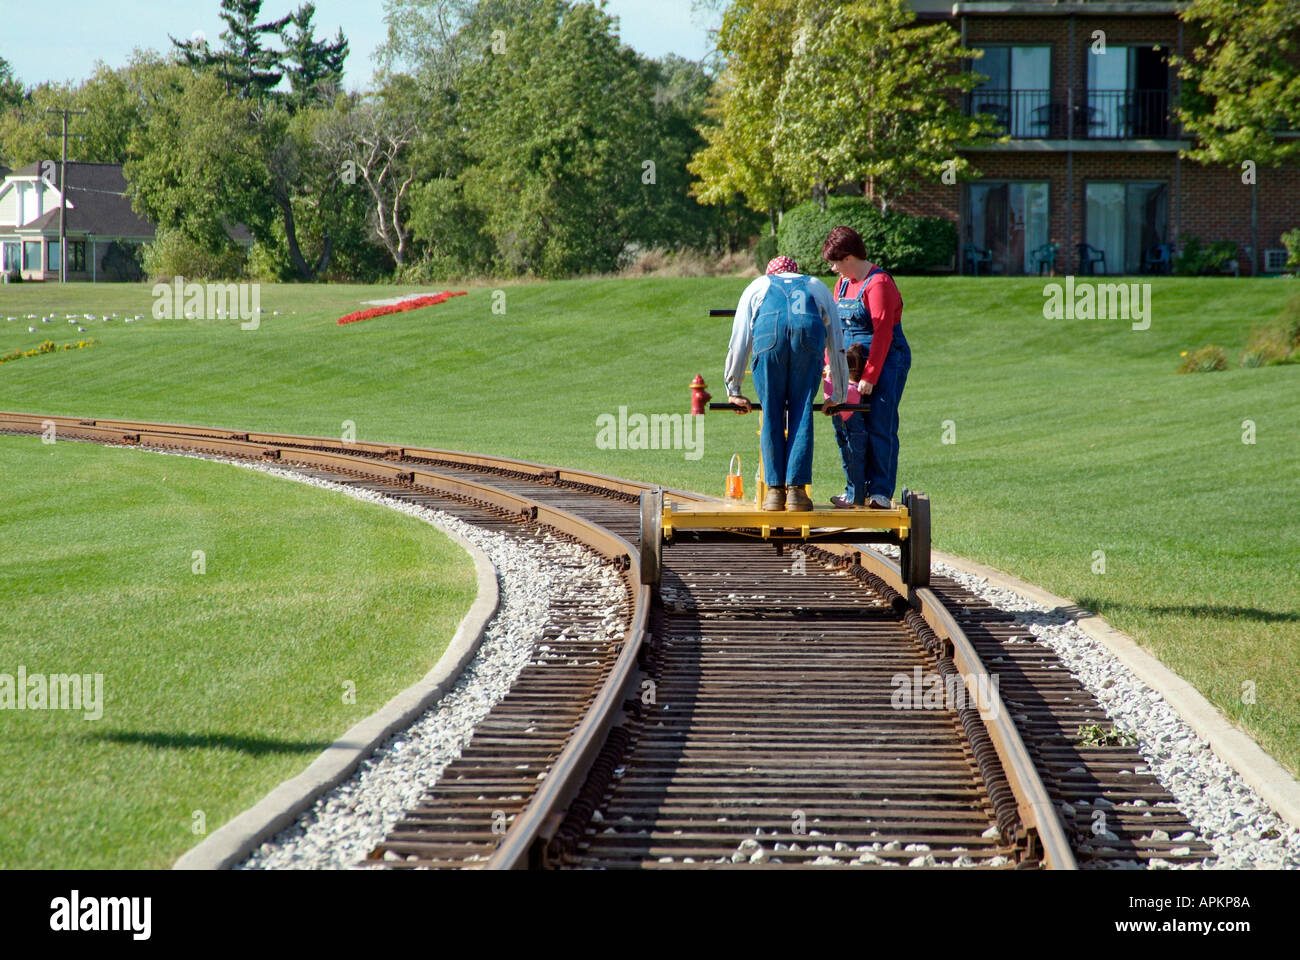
(1229, 815)
(347, 822)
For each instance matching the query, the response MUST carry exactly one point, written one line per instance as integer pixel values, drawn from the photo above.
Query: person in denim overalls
(789, 320)
(888, 356)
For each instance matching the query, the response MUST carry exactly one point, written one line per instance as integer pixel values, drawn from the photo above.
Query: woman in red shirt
(871, 310)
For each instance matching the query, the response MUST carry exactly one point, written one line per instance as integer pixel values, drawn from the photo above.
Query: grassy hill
(1072, 436)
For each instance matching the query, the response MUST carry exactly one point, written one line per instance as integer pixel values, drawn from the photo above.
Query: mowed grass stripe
(217, 685)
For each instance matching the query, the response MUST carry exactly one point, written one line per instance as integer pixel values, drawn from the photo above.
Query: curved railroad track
(751, 713)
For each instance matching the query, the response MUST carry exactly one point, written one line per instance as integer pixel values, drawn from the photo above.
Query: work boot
(796, 499)
(775, 499)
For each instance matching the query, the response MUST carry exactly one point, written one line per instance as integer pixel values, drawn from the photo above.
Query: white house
(98, 213)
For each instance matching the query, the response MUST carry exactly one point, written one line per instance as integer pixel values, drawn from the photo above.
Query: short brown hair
(843, 242)
(856, 361)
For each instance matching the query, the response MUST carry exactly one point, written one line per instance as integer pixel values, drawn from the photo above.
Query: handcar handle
(842, 408)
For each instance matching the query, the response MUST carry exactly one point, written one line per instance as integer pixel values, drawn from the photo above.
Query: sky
(63, 47)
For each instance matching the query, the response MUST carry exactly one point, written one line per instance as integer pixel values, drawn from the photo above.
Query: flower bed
(414, 304)
(48, 346)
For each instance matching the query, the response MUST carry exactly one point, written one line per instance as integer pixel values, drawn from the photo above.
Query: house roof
(98, 203)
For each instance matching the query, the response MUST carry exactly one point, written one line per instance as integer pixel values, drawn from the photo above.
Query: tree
(675, 218)
(870, 97)
(113, 99)
(11, 90)
(313, 66)
(559, 119)
(245, 64)
(1242, 87)
(816, 96)
(737, 158)
(1242, 83)
(376, 137)
(322, 229)
(196, 165)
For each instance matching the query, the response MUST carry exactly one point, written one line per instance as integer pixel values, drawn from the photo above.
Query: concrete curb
(1265, 775)
(235, 840)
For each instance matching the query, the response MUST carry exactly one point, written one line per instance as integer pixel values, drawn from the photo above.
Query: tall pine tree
(248, 68)
(312, 65)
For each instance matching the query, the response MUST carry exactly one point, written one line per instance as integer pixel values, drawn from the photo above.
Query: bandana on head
(781, 265)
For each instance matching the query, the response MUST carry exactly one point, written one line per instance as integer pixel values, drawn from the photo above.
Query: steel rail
(542, 816)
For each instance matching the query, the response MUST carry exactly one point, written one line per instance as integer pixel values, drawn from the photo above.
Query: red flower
(413, 304)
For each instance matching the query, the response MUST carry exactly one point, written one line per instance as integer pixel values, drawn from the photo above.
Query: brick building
(1085, 91)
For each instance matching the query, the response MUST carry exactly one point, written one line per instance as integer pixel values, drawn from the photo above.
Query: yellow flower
(1183, 354)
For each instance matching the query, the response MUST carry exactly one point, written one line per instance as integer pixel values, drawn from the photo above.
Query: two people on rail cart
(795, 329)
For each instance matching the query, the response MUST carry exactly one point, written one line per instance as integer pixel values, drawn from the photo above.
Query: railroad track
(753, 711)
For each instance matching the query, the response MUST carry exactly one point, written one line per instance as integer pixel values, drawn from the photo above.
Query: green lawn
(1073, 436)
(219, 679)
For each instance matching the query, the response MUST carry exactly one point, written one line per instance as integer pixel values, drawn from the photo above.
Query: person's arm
(834, 340)
(742, 339)
(886, 306)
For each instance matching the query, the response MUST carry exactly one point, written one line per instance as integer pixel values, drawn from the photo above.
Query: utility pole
(63, 191)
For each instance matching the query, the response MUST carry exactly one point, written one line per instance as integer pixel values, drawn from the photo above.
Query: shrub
(1291, 240)
(899, 243)
(173, 253)
(1267, 346)
(1289, 320)
(121, 262)
(1196, 260)
(764, 251)
(1205, 360)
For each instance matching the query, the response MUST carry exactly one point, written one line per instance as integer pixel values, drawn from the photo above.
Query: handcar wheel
(651, 539)
(915, 551)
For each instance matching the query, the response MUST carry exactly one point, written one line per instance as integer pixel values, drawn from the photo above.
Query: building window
(1018, 91)
(1125, 221)
(52, 254)
(12, 263)
(1007, 224)
(76, 256)
(31, 254)
(1128, 93)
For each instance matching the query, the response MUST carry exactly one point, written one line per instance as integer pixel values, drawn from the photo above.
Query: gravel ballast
(1228, 814)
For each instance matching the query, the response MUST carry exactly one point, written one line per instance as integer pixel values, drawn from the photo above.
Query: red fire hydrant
(699, 395)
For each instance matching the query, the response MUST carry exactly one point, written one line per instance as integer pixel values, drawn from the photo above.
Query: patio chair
(1044, 258)
(1089, 257)
(977, 255)
(1156, 259)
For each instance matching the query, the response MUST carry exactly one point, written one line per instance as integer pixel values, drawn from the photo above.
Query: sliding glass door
(1018, 91)
(1125, 221)
(1128, 93)
(1009, 222)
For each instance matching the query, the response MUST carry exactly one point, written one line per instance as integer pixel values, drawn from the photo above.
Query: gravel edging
(236, 839)
(1241, 800)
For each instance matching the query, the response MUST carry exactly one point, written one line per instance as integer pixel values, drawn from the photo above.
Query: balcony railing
(1088, 115)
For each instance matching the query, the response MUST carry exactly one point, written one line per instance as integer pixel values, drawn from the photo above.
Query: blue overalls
(879, 458)
(789, 338)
